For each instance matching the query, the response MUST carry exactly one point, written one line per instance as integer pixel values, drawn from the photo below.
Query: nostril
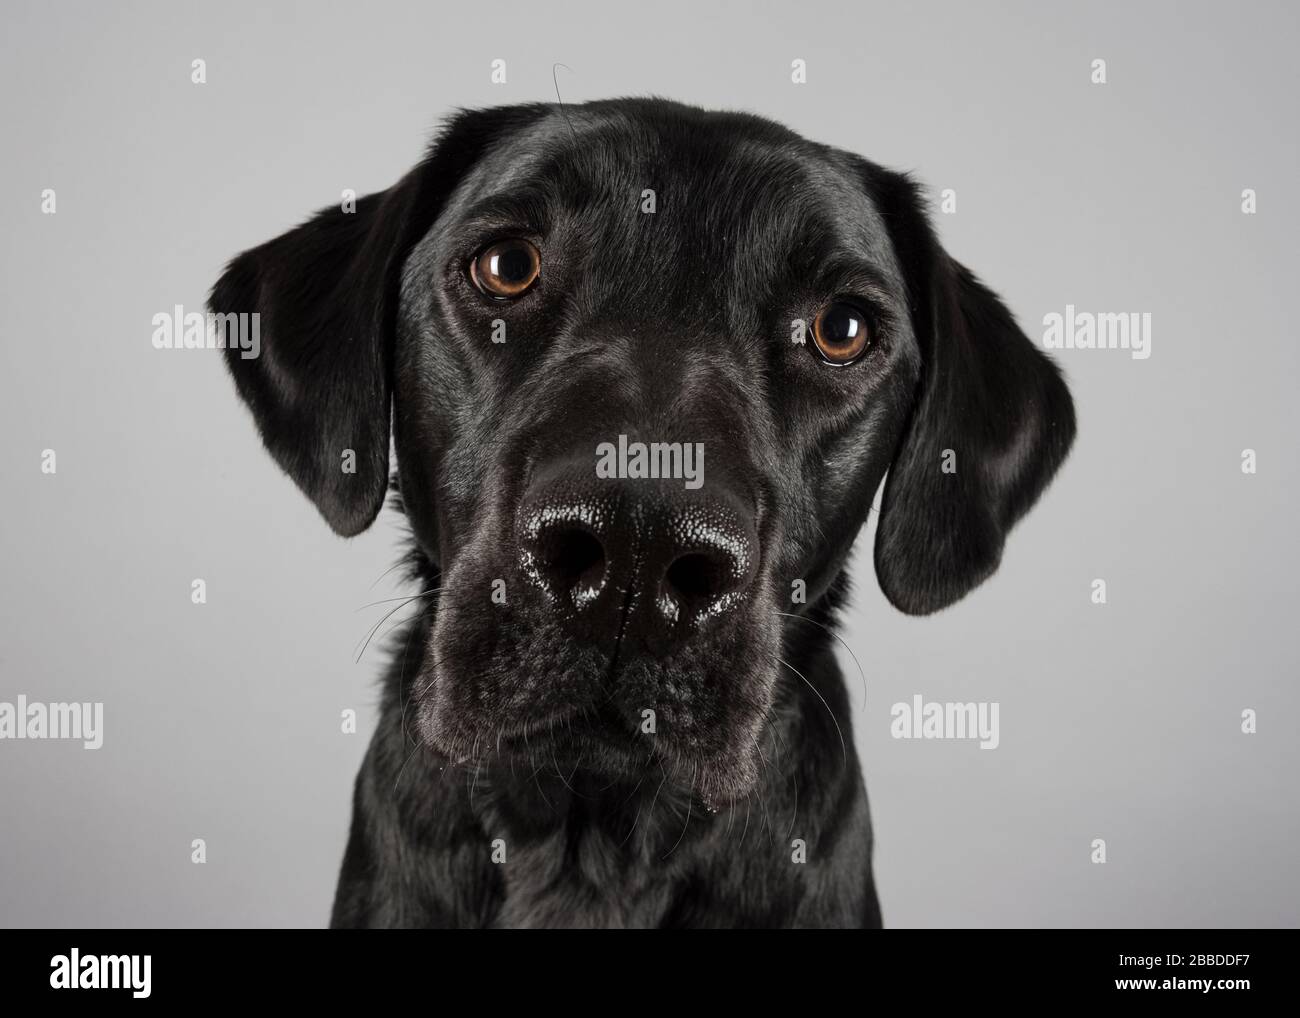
(697, 577)
(573, 560)
(713, 564)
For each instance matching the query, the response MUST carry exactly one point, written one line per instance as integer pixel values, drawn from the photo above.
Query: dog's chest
(581, 880)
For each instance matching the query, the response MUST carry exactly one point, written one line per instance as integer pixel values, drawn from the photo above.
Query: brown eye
(506, 269)
(841, 332)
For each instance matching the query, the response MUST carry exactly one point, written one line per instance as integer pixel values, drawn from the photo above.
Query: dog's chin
(580, 748)
(504, 689)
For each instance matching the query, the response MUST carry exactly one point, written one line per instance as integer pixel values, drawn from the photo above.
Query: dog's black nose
(651, 557)
(706, 560)
(562, 546)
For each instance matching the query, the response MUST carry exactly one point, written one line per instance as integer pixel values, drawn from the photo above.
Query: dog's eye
(506, 269)
(841, 333)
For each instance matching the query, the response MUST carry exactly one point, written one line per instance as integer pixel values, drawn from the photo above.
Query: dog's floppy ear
(991, 422)
(326, 296)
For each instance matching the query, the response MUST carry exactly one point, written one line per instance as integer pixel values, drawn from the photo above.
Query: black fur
(517, 727)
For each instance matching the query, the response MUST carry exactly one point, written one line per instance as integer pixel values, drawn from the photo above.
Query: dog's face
(646, 368)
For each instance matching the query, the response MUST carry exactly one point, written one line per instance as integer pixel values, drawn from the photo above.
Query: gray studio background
(1119, 722)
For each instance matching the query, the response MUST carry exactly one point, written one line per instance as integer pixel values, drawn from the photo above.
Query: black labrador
(644, 367)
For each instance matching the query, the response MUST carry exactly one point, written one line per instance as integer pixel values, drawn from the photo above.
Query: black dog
(622, 706)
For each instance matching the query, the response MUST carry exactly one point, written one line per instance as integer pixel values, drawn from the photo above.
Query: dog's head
(644, 367)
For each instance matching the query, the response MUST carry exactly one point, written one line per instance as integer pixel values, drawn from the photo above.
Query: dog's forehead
(734, 185)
